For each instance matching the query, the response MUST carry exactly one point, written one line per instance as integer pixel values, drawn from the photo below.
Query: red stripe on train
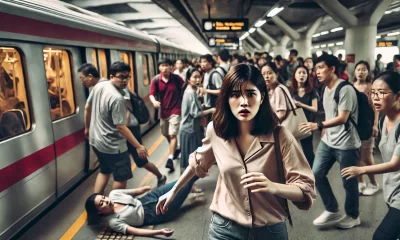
(30, 164)
(38, 28)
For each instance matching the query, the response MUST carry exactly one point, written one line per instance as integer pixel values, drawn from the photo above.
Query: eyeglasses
(123, 77)
(378, 94)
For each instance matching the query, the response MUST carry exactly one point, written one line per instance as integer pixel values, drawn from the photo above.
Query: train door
(27, 162)
(67, 102)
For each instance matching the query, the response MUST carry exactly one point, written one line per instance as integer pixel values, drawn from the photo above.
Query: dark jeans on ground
(307, 145)
(223, 228)
(150, 201)
(140, 162)
(324, 160)
(389, 229)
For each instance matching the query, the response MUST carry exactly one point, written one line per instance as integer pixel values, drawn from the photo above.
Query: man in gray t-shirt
(338, 143)
(212, 81)
(105, 118)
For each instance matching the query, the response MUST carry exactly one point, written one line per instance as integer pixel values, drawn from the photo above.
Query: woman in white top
(180, 69)
(363, 83)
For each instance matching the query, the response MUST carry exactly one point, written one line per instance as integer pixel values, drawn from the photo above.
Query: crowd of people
(232, 111)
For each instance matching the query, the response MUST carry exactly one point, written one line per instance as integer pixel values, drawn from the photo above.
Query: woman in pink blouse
(247, 200)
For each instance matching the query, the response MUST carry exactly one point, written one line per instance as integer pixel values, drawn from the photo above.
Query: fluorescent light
(275, 11)
(316, 35)
(316, 46)
(323, 45)
(388, 12)
(377, 37)
(251, 30)
(339, 43)
(337, 29)
(331, 44)
(393, 34)
(324, 33)
(260, 23)
(244, 36)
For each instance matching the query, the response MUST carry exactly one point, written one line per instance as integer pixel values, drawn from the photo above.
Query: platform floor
(67, 219)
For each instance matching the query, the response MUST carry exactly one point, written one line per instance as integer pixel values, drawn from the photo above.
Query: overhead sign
(223, 42)
(387, 43)
(225, 25)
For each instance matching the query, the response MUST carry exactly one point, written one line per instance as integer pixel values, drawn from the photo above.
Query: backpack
(224, 72)
(366, 115)
(175, 78)
(380, 126)
(139, 109)
(211, 85)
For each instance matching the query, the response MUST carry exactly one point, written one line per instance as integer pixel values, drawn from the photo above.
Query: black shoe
(170, 165)
(176, 153)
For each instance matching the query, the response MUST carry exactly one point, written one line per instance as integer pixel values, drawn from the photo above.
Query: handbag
(293, 118)
(281, 173)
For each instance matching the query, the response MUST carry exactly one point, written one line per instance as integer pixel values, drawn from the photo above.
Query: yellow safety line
(77, 225)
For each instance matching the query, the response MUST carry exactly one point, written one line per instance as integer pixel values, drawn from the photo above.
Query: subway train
(43, 152)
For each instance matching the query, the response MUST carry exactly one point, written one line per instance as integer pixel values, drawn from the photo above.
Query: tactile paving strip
(108, 233)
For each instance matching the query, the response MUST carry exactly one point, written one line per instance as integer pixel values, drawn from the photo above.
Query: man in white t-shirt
(180, 69)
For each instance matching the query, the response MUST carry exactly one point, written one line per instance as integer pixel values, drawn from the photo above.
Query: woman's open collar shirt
(231, 199)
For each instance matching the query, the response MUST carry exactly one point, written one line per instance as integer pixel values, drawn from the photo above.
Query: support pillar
(303, 46)
(280, 47)
(254, 42)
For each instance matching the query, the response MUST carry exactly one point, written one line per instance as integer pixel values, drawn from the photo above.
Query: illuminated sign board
(225, 25)
(223, 42)
(387, 43)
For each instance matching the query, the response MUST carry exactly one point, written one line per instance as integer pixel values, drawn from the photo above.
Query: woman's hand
(166, 232)
(163, 202)
(299, 104)
(308, 127)
(351, 172)
(258, 182)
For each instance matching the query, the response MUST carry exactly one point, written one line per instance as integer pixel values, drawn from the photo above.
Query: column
(254, 42)
(280, 47)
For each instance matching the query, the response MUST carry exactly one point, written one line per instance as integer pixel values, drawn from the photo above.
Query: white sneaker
(327, 218)
(361, 188)
(348, 222)
(371, 189)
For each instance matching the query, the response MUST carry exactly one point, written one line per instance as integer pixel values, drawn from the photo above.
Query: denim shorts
(223, 228)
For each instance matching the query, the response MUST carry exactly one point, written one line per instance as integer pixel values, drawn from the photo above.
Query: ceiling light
(331, 44)
(275, 11)
(260, 23)
(316, 35)
(388, 12)
(316, 46)
(324, 33)
(252, 30)
(337, 29)
(323, 45)
(393, 33)
(244, 36)
(377, 37)
(339, 43)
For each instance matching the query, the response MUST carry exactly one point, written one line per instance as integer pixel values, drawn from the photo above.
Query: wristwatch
(320, 125)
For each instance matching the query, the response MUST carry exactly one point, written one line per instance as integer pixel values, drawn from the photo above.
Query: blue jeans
(150, 200)
(324, 160)
(222, 228)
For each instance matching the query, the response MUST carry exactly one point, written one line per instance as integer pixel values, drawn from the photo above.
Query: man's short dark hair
(396, 57)
(330, 61)
(119, 66)
(235, 56)
(294, 52)
(379, 55)
(224, 55)
(164, 61)
(185, 61)
(278, 58)
(209, 58)
(87, 69)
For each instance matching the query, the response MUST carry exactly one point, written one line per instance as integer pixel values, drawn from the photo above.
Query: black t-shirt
(307, 99)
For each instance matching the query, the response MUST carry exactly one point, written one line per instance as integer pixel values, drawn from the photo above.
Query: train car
(42, 145)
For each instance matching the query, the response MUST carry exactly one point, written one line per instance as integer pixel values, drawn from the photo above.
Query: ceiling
(180, 21)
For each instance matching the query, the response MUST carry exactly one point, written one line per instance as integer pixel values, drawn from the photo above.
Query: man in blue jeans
(340, 142)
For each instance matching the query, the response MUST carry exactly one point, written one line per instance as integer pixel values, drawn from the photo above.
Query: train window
(151, 66)
(14, 108)
(127, 58)
(59, 80)
(146, 78)
(101, 54)
(94, 58)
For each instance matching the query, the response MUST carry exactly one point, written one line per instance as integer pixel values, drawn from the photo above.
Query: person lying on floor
(125, 213)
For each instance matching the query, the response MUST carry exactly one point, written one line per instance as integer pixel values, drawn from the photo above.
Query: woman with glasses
(363, 83)
(385, 95)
